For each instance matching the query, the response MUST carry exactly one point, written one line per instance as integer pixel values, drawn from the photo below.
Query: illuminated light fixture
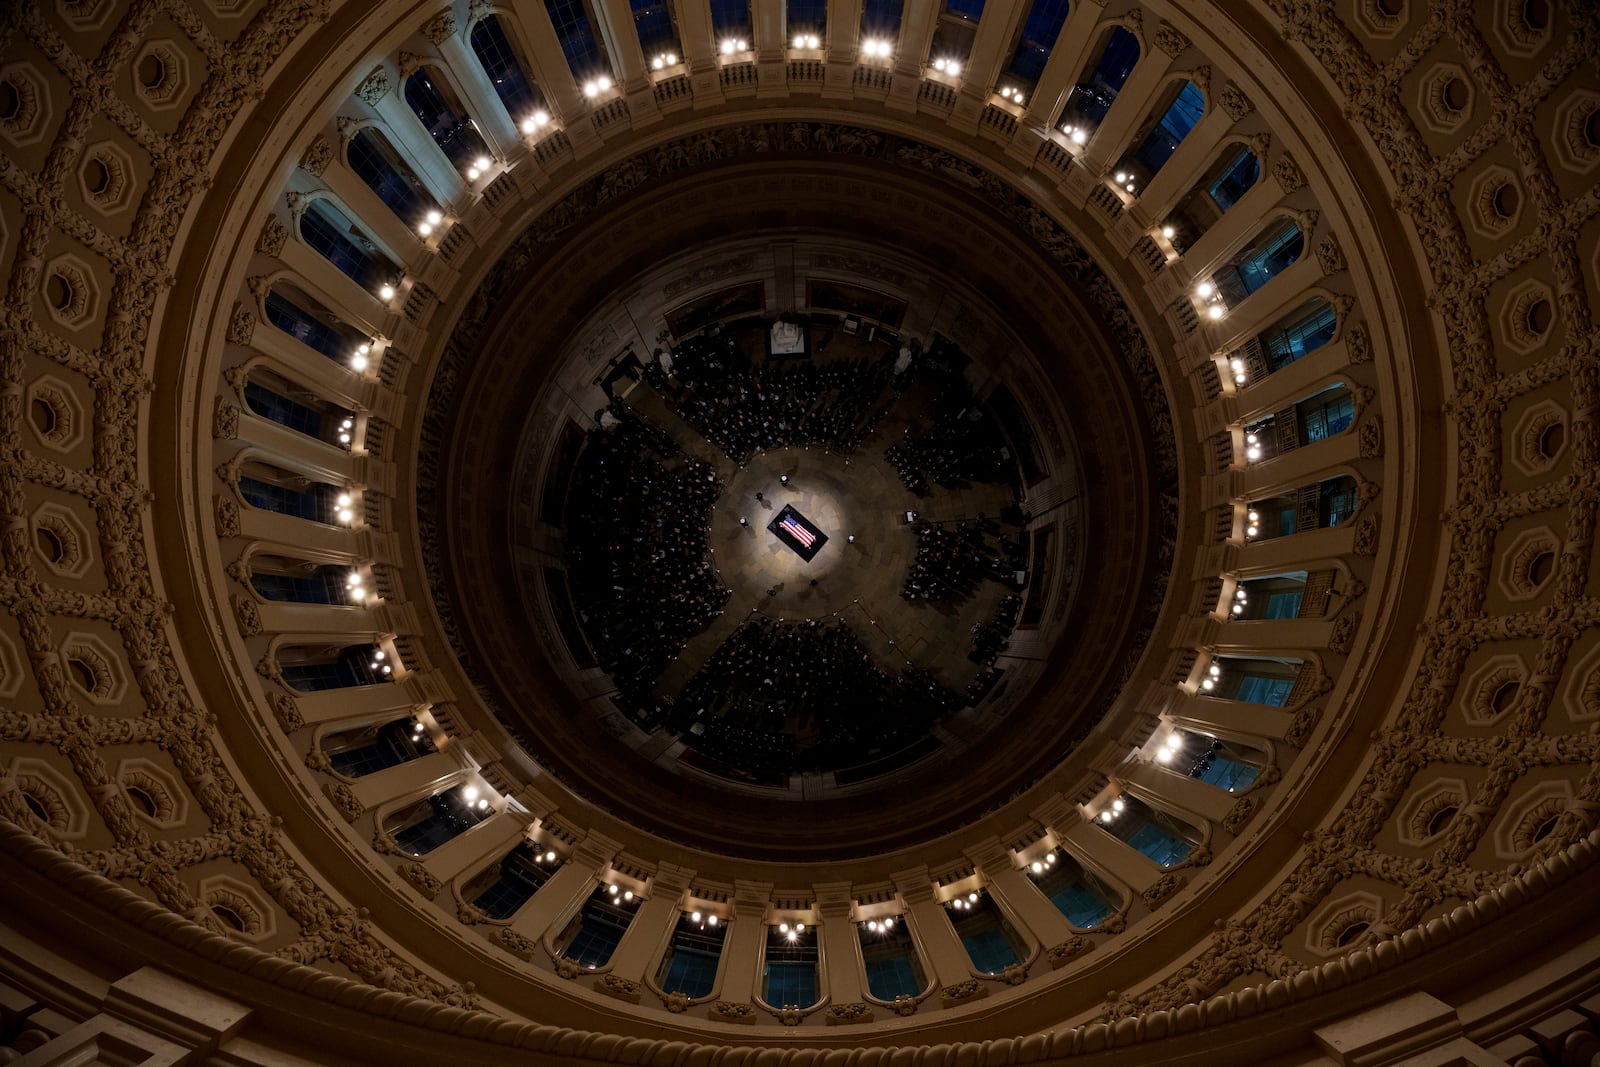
(889, 922)
(951, 67)
(1079, 135)
(352, 581)
(386, 292)
(793, 936)
(1121, 177)
(471, 793)
(344, 500)
(711, 920)
(694, 916)
(346, 424)
(1050, 858)
(1107, 816)
(1216, 311)
(1117, 805)
(628, 895)
(1011, 93)
(549, 857)
(732, 45)
(1204, 290)
(783, 928)
(1208, 684)
(613, 890)
(483, 804)
(482, 162)
(425, 228)
(800, 927)
(1036, 867)
(347, 515)
(1255, 516)
(1215, 670)
(807, 40)
(877, 47)
(1164, 756)
(344, 439)
(472, 174)
(1168, 232)
(972, 897)
(1174, 740)
(358, 362)
(435, 217)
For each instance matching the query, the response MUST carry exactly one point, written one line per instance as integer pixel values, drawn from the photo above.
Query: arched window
(1108, 69)
(364, 750)
(422, 827)
(1084, 900)
(502, 890)
(308, 322)
(1263, 259)
(1252, 679)
(1036, 37)
(1311, 507)
(1212, 760)
(1159, 837)
(331, 233)
(272, 488)
(443, 117)
(1327, 413)
(1234, 173)
(789, 968)
(506, 71)
(953, 34)
(314, 669)
(806, 17)
(658, 36)
(1303, 330)
(283, 579)
(574, 27)
(689, 965)
(730, 21)
(1272, 596)
(1168, 125)
(376, 162)
(890, 957)
(992, 943)
(593, 934)
(276, 399)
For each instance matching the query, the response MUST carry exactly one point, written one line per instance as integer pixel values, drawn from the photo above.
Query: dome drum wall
(1392, 713)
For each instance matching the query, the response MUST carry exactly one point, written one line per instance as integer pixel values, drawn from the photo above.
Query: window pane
(1092, 98)
(1159, 845)
(1270, 256)
(1256, 689)
(1039, 33)
(881, 18)
(1174, 125)
(578, 41)
(1236, 179)
(302, 325)
(329, 231)
(653, 21)
(375, 162)
(1226, 774)
(1283, 605)
(731, 18)
(807, 16)
(505, 71)
(1300, 334)
(890, 978)
(450, 129)
(282, 410)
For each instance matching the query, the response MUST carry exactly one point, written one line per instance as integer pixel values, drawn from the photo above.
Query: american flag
(798, 532)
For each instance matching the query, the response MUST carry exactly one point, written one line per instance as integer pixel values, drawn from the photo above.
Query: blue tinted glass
(514, 888)
(578, 42)
(1226, 774)
(893, 977)
(1174, 126)
(692, 971)
(329, 231)
(809, 16)
(302, 325)
(1092, 98)
(1285, 344)
(653, 21)
(790, 984)
(1039, 33)
(1255, 689)
(452, 131)
(989, 949)
(731, 18)
(1236, 179)
(1082, 908)
(595, 941)
(881, 18)
(510, 80)
(376, 164)
(1270, 257)
(1283, 606)
(1159, 845)
(971, 10)
(282, 410)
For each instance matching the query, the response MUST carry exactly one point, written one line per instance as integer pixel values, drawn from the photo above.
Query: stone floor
(859, 583)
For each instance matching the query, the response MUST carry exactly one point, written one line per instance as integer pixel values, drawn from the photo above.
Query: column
(493, 836)
(319, 459)
(1229, 719)
(1183, 168)
(615, 23)
(419, 777)
(1200, 802)
(741, 946)
(697, 38)
(652, 924)
(771, 43)
(943, 954)
(433, 166)
(1296, 381)
(1101, 851)
(841, 45)
(1022, 900)
(837, 942)
(917, 24)
(1231, 230)
(566, 890)
(553, 74)
(990, 46)
(1062, 68)
(285, 616)
(1128, 111)
(262, 525)
(481, 101)
(350, 705)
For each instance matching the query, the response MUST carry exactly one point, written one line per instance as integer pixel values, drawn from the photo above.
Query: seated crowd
(964, 443)
(953, 558)
(637, 549)
(782, 697)
(743, 409)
